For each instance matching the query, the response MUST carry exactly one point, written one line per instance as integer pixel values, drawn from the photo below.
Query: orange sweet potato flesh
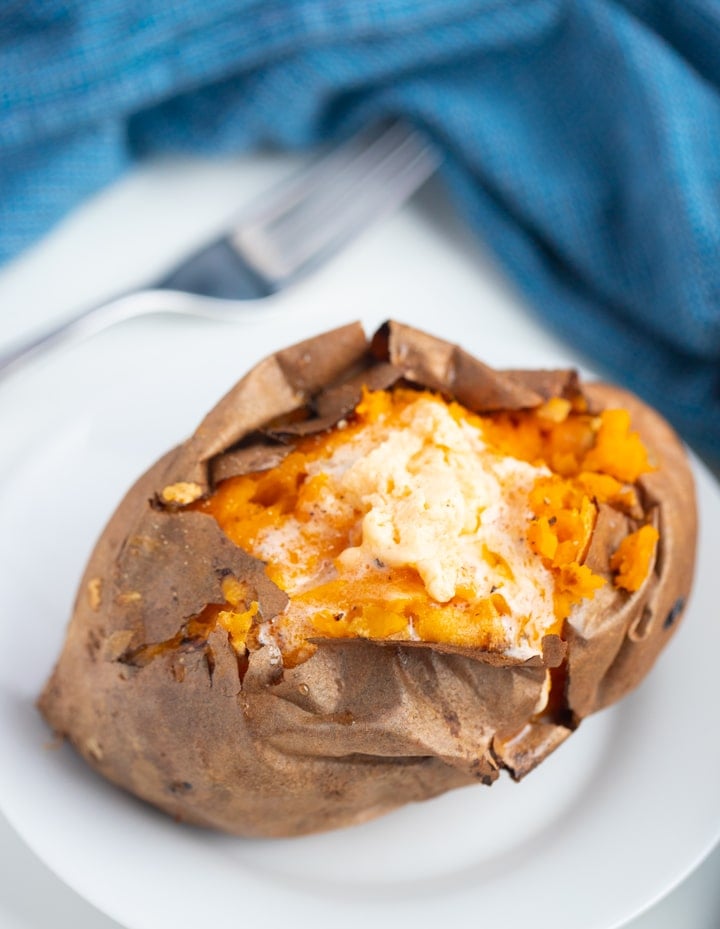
(167, 685)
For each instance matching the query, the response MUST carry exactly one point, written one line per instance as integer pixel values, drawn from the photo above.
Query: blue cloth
(582, 138)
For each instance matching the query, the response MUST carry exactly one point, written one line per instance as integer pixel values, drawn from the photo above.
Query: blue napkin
(582, 138)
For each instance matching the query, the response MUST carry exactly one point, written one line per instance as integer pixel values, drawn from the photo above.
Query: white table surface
(133, 231)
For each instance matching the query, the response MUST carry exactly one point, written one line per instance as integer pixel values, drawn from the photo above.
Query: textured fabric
(582, 138)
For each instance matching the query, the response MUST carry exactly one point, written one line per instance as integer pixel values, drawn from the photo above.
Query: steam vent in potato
(377, 571)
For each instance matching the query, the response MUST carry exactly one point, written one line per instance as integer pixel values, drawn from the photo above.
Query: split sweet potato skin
(253, 748)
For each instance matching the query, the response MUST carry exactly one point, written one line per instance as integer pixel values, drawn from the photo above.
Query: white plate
(611, 822)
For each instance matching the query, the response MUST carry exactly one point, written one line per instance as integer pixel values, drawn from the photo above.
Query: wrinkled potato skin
(359, 728)
(654, 611)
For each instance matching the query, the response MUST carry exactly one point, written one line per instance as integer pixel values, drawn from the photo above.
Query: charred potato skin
(360, 728)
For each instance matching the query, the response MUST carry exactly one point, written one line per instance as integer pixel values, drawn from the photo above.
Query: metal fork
(278, 239)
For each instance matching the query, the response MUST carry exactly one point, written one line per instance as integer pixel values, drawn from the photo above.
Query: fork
(277, 240)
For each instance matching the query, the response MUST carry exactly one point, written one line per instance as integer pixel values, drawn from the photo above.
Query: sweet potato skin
(256, 749)
(668, 498)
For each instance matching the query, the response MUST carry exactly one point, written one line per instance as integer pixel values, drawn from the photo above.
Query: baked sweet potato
(378, 570)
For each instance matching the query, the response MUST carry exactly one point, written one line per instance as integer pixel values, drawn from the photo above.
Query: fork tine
(304, 239)
(368, 182)
(399, 142)
(284, 195)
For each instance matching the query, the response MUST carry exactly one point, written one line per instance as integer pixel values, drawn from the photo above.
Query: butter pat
(424, 491)
(436, 499)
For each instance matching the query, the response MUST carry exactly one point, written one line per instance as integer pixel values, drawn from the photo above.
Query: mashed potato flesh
(401, 524)
(416, 520)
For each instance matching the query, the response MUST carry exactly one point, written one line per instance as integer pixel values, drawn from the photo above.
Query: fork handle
(75, 328)
(91, 320)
